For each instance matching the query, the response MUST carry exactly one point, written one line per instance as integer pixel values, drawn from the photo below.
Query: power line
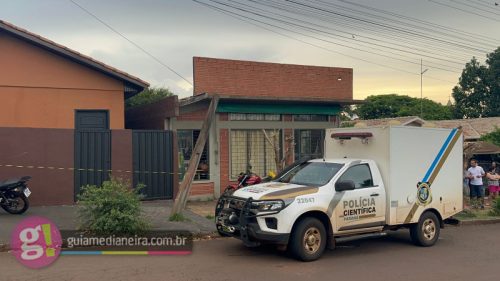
(131, 42)
(483, 4)
(397, 38)
(251, 21)
(354, 39)
(474, 7)
(434, 25)
(384, 25)
(421, 28)
(463, 10)
(314, 30)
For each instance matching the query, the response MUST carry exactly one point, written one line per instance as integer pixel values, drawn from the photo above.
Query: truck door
(363, 207)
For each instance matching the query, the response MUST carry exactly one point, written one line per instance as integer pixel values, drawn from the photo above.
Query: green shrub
(111, 209)
(495, 210)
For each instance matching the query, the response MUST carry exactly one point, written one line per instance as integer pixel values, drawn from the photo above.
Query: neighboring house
(62, 122)
(400, 121)
(473, 129)
(46, 85)
(295, 102)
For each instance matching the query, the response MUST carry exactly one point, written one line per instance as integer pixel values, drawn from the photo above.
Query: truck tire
(308, 239)
(425, 233)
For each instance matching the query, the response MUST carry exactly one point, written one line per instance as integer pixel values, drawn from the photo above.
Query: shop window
(251, 150)
(254, 117)
(310, 117)
(309, 143)
(186, 140)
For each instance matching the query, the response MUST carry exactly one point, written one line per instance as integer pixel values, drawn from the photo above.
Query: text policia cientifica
(359, 206)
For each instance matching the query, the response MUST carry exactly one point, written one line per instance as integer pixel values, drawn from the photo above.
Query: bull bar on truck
(234, 217)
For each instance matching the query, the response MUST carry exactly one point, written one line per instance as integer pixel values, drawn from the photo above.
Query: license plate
(27, 192)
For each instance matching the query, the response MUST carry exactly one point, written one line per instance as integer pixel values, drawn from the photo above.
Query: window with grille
(310, 117)
(251, 150)
(309, 143)
(186, 140)
(254, 117)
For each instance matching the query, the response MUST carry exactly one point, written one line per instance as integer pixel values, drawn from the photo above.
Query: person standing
(476, 184)
(493, 181)
(466, 175)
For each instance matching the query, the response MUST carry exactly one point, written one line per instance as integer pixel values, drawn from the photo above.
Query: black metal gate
(92, 157)
(153, 162)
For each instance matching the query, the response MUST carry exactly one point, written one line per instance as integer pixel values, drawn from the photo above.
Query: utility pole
(421, 95)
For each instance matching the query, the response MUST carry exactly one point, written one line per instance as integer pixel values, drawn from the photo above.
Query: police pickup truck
(370, 181)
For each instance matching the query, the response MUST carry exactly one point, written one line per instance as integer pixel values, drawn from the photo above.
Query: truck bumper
(246, 228)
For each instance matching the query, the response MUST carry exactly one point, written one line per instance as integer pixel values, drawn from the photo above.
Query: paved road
(462, 253)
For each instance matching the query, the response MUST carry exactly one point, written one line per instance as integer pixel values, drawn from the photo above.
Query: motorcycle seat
(12, 182)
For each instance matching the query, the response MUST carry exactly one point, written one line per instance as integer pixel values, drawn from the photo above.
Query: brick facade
(198, 115)
(202, 188)
(254, 79)
(246, 78)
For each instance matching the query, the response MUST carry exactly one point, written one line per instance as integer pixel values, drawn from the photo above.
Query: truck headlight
(267, 206)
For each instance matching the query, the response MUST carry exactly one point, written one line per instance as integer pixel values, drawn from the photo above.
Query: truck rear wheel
(308, 240)
(425, 233)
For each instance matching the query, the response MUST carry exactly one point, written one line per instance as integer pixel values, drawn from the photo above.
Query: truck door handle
(374, 194)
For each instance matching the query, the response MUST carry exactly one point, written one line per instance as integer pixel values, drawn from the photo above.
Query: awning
(481, 147)
(265, 108)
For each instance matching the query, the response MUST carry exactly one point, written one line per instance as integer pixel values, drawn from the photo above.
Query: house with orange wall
(46, 85)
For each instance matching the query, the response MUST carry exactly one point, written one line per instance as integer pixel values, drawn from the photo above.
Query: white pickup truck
(371, 180)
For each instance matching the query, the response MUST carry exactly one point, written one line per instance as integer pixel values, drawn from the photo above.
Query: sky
(384, 59)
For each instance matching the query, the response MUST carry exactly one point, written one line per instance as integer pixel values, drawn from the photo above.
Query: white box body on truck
(371, 180)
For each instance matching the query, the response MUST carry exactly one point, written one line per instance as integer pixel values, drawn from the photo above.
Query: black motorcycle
(14, 195)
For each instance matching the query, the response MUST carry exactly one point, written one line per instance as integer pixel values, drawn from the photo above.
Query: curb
(479, 221)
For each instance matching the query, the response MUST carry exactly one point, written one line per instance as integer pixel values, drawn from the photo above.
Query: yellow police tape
(88, 170)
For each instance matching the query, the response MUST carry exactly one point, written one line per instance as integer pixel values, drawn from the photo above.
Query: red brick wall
(246, 78)
(198, 115)
(223, 116)
(205, 188)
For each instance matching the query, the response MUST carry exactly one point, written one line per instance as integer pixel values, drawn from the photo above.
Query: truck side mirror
(344, 185)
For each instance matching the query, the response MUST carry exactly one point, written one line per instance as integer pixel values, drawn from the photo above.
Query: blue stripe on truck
(440, 154)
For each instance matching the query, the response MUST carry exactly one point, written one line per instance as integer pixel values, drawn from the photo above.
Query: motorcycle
(249, 178)
(14, 195)
(244, 179)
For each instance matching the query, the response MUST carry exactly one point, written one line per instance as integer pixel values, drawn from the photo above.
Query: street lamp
(421, 96)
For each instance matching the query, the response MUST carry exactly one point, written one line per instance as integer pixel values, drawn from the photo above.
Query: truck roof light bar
(347, 136)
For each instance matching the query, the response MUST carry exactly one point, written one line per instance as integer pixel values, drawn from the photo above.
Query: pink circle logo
(36, 242)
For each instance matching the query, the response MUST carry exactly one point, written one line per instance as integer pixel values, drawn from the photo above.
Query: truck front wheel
(425, 233)
(308, 239)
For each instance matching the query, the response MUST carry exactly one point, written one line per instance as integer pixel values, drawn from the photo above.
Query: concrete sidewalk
(66, 217)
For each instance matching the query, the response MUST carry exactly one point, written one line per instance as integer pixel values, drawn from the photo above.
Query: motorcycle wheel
(16, 205)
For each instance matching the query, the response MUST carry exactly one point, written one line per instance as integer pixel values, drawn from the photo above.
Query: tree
(478, 91)
(394, 105)
(148, 96)
(493, 62)
(493, 137)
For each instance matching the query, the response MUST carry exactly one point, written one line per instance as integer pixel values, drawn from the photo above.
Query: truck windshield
(311, 173)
